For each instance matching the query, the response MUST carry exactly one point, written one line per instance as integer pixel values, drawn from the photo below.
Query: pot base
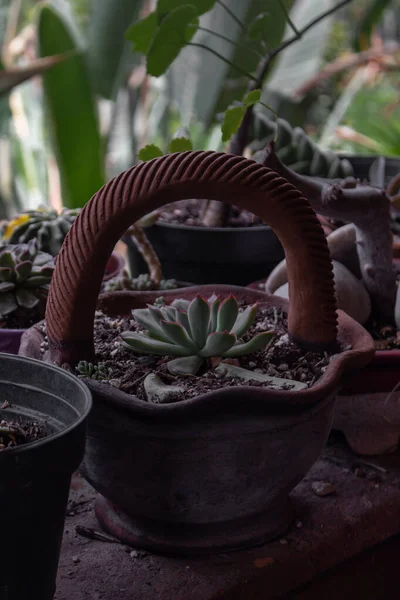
(195, 539)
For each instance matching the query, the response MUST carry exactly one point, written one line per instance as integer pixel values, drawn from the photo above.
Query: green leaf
(177, 333)
(23, 270)
(145, 345)
(199, 318)
(7, 303)
(172, 35)
(149, 152)
(142, 33)
(227, 314)
(258, 29)
(189, 365)
(232, 120)
(218, 344)
(150, 320)
(244, 320)
(26, 298)
(252, 98)
(181, 144)
(253, 345)
(7, 259)
(6, 286)
(109, 55)
(71, 112)
(365, 26)
(201, 6)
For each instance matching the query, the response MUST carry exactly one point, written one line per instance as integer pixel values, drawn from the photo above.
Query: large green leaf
(368, 22)
(173, 33)
(201, 83)
(302, 60)
(109, 54)
(71, 112)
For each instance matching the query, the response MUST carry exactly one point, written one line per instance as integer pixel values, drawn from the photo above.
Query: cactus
(195, 331)
(45, 225)
(25, 274)
(141, 283)
(296, 150)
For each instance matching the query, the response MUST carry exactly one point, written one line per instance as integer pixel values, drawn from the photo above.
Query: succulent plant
(99, 372)
(143, 282)
(45, 225)
(195, 331)
(25, 274)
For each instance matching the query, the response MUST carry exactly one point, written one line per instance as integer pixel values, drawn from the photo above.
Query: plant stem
(288, 19)
(223, 37)
(232, 14)
(226, 60)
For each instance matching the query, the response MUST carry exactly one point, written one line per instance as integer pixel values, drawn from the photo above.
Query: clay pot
(213, 472)
(114, 266)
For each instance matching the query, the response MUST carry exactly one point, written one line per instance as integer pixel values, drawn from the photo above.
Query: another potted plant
(366, 283)
(43, 416)
(49, 228)
(25, 275)
(205, 480)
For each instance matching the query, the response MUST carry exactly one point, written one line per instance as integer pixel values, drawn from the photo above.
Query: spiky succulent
(141, 283)
(99, 372)
(25, 275)
(195, 331)
(45, 225)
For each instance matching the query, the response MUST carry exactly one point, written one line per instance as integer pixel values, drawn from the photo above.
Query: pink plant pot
(114, 266)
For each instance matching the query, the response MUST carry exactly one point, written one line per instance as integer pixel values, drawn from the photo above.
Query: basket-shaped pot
(213, 472)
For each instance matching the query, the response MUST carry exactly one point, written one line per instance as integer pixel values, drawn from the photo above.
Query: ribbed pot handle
(232, 179)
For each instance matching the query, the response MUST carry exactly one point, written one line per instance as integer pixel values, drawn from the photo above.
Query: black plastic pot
(35, 477)
(229, 255)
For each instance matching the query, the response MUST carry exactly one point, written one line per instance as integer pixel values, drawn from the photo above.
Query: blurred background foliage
(62, 135)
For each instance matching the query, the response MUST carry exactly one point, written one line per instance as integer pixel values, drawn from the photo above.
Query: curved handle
(231, 179)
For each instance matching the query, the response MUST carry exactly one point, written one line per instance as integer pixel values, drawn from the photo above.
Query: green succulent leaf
(23, 270)
(183, 319)
(142, 33)
(149, 152)
(8, 304)
(218, 344)
(227, 314)
(7, 260)
(181, 304)
(6, 274)
(173, 34)
(244, 320)
(199, 318)
(36, 282)
(146, 345)
(177, 334)
(150, 320)
(6, 286)
(253, 345)
(188, 365)
(26, 298)
(215, 304)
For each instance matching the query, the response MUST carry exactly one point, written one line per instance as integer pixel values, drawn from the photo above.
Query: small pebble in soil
(323, 488)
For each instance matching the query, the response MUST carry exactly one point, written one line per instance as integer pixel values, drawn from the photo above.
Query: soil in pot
(17, 433)
(281, 363)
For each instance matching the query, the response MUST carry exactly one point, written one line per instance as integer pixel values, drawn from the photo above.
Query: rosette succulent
(45, 225)
(195, 331)
(25, 274)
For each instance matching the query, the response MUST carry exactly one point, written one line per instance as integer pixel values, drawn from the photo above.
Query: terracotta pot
(213, 472)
